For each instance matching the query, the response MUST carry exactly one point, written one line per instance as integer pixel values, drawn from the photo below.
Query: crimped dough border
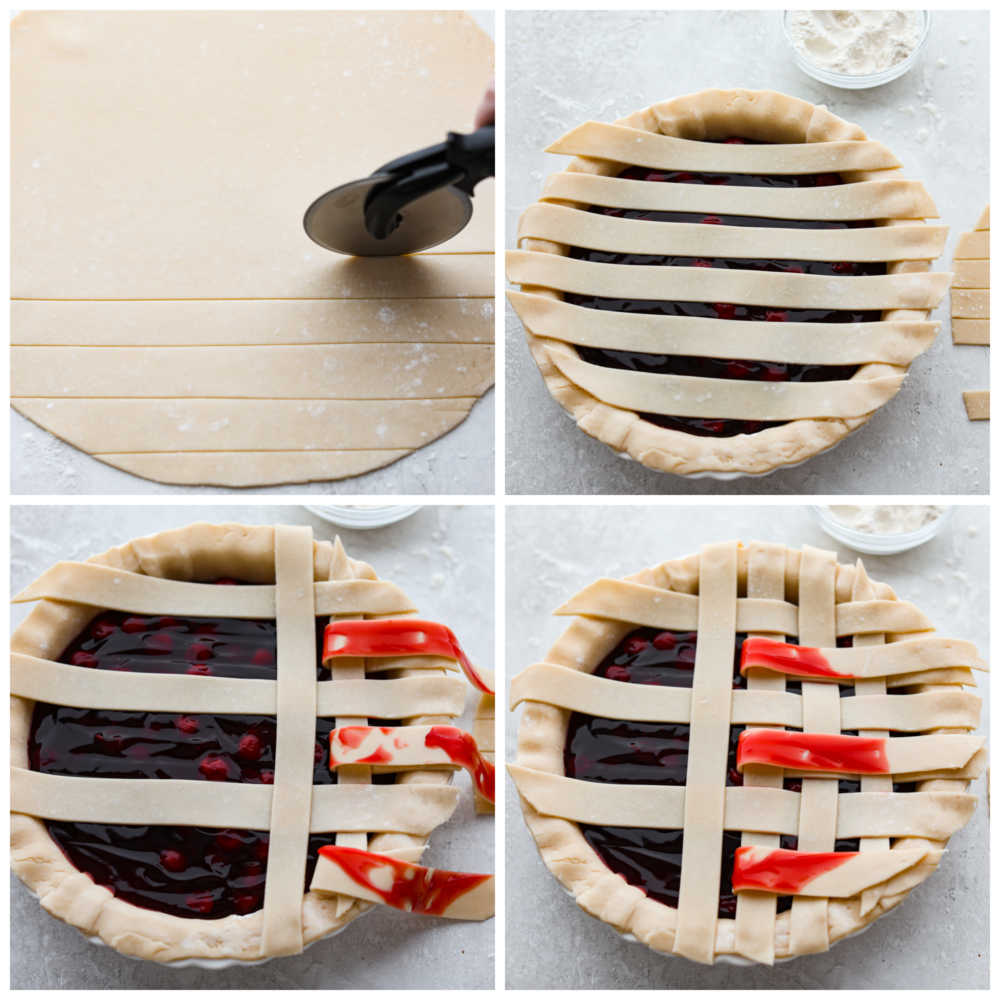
(714, 114)
(198, 552)
(599, 891)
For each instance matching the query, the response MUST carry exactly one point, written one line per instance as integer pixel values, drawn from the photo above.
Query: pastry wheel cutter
(410, 204)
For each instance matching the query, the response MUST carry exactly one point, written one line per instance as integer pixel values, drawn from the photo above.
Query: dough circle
(170, 315)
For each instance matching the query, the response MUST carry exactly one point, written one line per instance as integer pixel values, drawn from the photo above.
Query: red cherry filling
(705, 367)
(656, 753)
(184, 871)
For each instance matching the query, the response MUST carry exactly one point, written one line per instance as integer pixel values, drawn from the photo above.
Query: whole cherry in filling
(724, 368)
(656, 753)
(185, 871)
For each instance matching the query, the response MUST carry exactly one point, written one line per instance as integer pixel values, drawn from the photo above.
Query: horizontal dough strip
(977, 404)
(239, 469)
(934, 815)
(334, 371)
(413, 809)
(638, 604)
(238, 323)
(621, 144)
(971, 331)
(690, 396)
(973, 246)
(969, 303)
(971, 274)
(894, 343)
(119, 590)
(594, 231)
(327, 276)
(158, 425)
(888, 199)
(703, 284)
(79, 687)
(564, 687)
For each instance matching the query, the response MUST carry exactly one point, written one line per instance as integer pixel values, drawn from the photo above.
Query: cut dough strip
(888, 199)
(263, 425)
(974, 245)
(699, 284)
(638, 604)
(970, 303)
(690, 396)
(639, 236)
(895, 343)
(971, 331)
(335, 371)
(647, 149)
(552, 684)
(245, 322)
(120, 591)
(977, 404)
(34, 678)
(935, 815)
(972, 274)
(414, 809)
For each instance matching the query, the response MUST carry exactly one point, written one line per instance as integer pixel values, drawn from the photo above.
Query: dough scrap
(161, 165)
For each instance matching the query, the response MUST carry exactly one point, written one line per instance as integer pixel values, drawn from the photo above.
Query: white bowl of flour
(882, 529)
(855, 49)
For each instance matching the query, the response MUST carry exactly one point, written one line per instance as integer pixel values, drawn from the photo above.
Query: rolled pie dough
(170, 316)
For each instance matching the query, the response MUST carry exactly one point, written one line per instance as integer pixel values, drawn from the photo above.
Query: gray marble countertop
(938, 938)
(443, 557)
(564, 67)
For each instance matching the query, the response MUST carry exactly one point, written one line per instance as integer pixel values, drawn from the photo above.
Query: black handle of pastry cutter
(461, 162)
(411, 204)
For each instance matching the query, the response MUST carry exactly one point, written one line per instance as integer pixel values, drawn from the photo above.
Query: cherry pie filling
(656, 753)
(724, 368)
(184, 871)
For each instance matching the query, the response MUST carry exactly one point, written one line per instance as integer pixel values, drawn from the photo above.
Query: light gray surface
(460, 463)
(566, 67)
(939, 936)
(443, 557)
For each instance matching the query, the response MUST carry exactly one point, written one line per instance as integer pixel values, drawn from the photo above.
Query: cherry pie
(727, 282)
(749, 752)
(230, 741)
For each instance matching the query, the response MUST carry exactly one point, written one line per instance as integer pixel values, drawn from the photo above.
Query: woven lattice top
(815, 761)
(295, 581)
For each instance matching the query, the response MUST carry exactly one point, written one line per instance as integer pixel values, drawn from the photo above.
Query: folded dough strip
(699, 284)
(690, 396)
(621, 144)
(791, 343)
(878, 199)
(691, 239)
